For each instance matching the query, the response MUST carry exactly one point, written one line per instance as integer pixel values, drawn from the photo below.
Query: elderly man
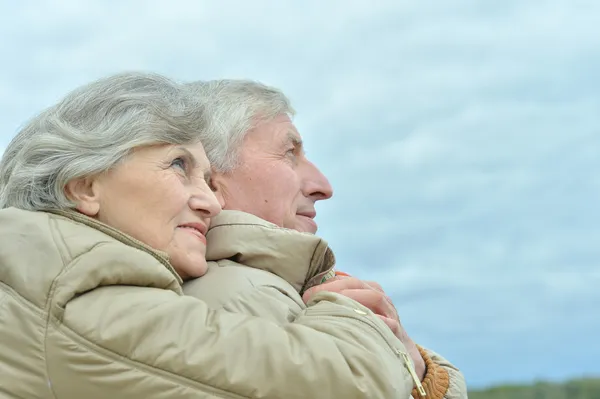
(268, 188)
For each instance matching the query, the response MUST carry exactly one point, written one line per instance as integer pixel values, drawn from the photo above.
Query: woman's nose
(205, 202)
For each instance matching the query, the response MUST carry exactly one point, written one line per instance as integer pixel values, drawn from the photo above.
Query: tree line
(588, 388)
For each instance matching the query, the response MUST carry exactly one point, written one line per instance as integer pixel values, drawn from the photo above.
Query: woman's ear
(85, 193)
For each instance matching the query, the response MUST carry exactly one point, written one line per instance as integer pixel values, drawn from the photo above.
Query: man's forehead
(277, 132)
(290, 133)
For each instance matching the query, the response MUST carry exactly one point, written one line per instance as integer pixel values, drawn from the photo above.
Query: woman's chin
(191, 269)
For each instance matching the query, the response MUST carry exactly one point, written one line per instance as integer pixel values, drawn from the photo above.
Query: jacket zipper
(395, 351)
(414, 375)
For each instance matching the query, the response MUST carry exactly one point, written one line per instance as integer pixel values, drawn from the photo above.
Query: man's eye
(211, 185)
(179, 163)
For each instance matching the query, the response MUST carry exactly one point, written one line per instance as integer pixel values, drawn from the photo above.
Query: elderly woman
(105, 204)
(263, 262)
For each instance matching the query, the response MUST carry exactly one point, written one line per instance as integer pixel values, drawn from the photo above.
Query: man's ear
(85, 193)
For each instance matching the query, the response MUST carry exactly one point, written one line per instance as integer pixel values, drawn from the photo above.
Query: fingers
(340, 273)
(368, 293)
(335, 278)
(374, 300)
(374, 285)
(391, 323)
(335, 284)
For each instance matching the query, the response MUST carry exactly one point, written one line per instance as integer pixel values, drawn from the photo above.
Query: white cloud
(461, 139)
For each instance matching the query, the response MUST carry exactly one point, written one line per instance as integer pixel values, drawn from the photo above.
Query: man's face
(274, 181)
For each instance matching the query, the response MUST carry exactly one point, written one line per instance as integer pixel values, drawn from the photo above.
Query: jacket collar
(162, 257)
(302, 259)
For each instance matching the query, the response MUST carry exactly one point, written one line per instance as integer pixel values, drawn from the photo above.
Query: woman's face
(159, 195)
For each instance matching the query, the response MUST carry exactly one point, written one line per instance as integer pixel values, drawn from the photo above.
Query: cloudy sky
(461, 138)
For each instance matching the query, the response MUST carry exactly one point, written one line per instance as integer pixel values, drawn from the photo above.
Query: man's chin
(305, 224)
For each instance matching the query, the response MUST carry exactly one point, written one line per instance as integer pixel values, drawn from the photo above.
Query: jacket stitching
(116, 235)
(288, 231)
(67, 268)
(143, 367)
(3, 298)
(264, 288)
(9, 291)
(312, 258)
(47, 305)
(90, 345)
(253, 286)
(56, 238)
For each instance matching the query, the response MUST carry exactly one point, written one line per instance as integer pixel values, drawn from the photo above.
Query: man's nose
(315, 184)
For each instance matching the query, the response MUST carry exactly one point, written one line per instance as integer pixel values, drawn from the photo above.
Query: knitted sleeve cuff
(436, 381)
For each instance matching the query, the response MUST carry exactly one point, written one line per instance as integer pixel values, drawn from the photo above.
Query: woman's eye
(179, 163)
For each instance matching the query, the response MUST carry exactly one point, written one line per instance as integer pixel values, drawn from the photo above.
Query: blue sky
(461, 138)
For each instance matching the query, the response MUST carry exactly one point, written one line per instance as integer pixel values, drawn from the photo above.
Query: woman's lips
(194, 231)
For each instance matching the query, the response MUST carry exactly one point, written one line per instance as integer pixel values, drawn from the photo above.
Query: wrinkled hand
(371, 295)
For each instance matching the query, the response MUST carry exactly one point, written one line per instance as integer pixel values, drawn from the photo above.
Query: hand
(371, 295)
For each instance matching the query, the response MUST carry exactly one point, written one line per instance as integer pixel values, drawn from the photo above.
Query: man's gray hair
(91, 130)
(233, 108)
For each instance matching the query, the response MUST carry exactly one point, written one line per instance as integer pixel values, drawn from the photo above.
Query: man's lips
(309, 218)
(308, 214)
(197, 229)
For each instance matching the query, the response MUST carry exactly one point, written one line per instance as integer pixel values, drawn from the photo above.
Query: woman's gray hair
(91, 130)
(233, 108)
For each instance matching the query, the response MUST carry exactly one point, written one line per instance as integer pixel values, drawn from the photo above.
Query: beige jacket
(88, 312)
(259, 269)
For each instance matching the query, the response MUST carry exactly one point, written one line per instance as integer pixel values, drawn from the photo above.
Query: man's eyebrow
(208, 175)
(295, 140)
